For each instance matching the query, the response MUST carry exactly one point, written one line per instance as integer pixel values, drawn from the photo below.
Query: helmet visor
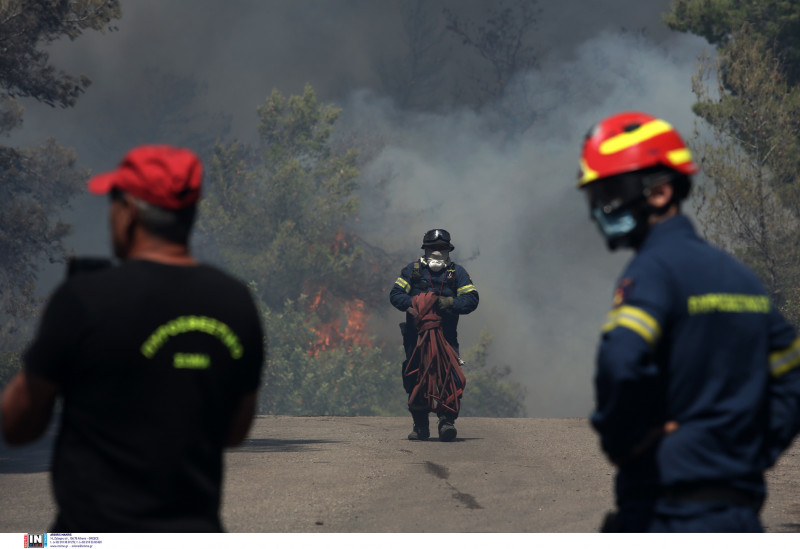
(614, 193)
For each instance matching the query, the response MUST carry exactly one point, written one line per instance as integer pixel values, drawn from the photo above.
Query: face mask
(437, 260)
(615, 226)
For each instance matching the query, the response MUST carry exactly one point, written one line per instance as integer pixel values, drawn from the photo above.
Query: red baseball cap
(162, 175)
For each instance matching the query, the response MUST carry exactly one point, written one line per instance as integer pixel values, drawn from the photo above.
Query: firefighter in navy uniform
(697, 382)
(433, 272)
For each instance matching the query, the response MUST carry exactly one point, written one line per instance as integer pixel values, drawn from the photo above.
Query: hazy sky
(543, 273)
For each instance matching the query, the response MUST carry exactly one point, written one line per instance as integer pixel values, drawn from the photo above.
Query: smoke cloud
(519, 225)
(543, 272)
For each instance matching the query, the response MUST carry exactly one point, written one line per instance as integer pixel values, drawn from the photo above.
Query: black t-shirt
(152, 361)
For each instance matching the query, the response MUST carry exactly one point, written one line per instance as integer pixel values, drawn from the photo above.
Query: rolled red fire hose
(440, 380)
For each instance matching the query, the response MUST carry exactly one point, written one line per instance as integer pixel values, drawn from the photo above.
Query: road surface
(361, 474)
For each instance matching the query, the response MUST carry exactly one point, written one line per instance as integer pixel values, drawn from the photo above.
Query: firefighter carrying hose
(432, 273)
(697, 382)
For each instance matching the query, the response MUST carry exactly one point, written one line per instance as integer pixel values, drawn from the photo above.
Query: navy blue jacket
(453, 281)
(694, 338)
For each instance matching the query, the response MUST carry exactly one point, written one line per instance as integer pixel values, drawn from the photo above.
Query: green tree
(302, 379)
(27, 26)
(500, 40)
(750, 201)
(777, 22)
(277, 215)
(489, 391)
(749, 148)
(9, 365)
(503, 42)
(36, 182)
(413, 78)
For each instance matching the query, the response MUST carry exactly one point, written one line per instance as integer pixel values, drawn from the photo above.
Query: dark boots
(447, 431)
(421, 429)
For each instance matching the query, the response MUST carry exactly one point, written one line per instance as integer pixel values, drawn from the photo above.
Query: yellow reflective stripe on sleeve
(403, 284)
(785, 360)
(466, 289)
(636, 320)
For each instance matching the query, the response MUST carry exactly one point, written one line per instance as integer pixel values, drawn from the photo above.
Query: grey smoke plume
(543, 272)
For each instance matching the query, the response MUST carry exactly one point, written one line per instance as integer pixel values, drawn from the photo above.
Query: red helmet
(631, 141)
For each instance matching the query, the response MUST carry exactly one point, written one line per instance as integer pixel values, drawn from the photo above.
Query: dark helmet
(436, 236)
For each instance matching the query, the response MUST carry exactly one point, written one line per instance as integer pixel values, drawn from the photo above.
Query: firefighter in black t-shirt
(157, 360)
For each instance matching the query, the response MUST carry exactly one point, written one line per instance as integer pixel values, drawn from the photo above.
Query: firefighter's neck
(655, 219)
(144, 245)
(130, 240)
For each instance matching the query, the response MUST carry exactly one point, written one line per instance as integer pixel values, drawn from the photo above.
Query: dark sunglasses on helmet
(437, 238)
(436, 234)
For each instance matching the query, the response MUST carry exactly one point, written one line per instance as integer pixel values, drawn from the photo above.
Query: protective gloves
(445, 302)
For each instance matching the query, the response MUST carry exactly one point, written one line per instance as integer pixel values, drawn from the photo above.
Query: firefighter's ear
(125, 208)
(660, 194)
(133, 208)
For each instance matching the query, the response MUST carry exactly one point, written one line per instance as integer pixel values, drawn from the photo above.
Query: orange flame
(355, 330)
(341, 322)
(339, 242)
(347, 324)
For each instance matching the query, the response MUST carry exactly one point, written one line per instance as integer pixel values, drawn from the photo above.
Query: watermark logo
(35, 540)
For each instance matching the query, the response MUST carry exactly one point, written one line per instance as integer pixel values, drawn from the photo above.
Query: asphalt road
(360, 474)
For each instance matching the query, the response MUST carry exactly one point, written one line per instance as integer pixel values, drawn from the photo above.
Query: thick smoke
(519, 225)
(543, 272)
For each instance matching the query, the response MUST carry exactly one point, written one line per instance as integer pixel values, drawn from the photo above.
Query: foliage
(10, 364)
(36, 182)
(777, 22)
(277, 215)
(412, 79)
(750, 202)
(750, 148)
(489, 392)
(362, 380)
(502, 41)
(26, 26)
(791, 305)
(343, 380)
